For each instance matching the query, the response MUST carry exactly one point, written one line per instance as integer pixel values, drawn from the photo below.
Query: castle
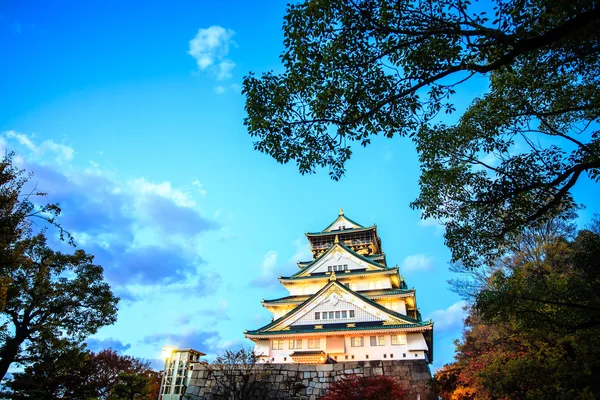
(346, 304)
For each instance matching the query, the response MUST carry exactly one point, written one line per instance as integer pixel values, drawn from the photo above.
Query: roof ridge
(348, 290)
(352, 252)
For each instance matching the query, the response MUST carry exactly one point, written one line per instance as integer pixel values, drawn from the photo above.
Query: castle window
(277, 344)
(314, 343)
(324, 315)
(357, 342)
(317, 315)
(344, 314)
(397, 340)
(351, 313)
(367, 356)
(295, 344)
(338, 314)
(353, 286)
(329, 268)
(377, 340)
(331, 315)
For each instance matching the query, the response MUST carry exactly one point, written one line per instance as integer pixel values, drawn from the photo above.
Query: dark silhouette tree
(355, 69)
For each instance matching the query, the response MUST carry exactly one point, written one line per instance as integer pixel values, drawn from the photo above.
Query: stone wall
(309, 382)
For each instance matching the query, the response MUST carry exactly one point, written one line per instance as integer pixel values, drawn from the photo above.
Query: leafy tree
(58, 373)
(534, 331)
(48, 295)
(107, 366)
(354, 387)
(69, 371)
(446, 383)
(359, 68)
(132, 387)
(18, 210)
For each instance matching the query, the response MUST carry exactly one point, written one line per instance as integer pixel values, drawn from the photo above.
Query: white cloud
(210, 48)
(220, 89)
(433, 223)
(163, 189)
(201, 189)
(417, 262)
(143, 233)
(58, 153)
(268, 274)
(449, 319)
(302, 253)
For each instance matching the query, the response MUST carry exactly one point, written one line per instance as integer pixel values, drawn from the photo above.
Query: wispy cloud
(97, 345)
(417, 262)
(449, 319)
(268, 275)
(185, 338)
(143, 233)
(210, 48)
(59, 153)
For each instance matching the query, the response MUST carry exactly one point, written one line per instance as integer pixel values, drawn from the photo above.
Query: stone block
(338, 367)
(325, 367)
(421, 376)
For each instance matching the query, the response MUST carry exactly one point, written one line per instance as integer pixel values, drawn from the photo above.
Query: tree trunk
(9, 353)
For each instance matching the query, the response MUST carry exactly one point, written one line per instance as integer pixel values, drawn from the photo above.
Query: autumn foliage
(354, 387)
(534, 331)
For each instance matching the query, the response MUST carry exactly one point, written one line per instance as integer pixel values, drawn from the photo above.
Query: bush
(354, 387)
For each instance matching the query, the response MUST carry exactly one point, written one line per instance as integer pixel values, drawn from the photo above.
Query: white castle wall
(412, 349)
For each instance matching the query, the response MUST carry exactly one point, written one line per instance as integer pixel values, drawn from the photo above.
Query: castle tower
(345, 304)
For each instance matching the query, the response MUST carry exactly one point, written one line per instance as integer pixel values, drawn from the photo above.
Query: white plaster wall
(360, 314)
(297, 289)
(262, 347)
(397, 305)
(362, 283)
(367, 352)
(343, 222)
(337, 258)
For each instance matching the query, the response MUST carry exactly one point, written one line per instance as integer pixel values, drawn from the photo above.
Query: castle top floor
(363, 240)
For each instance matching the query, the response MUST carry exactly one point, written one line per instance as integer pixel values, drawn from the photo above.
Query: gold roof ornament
(336, 240)
(332, 277)
(341, 211)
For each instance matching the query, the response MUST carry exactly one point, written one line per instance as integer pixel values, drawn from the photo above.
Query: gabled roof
(399, 318)
(342, 217)
(341, 232)
(330, 250)
(341, 275)
(377, 293)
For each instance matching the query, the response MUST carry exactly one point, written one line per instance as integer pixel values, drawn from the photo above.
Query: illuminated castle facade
(345, 304)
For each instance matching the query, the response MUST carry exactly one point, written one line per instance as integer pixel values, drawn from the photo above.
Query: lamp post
(166, 355)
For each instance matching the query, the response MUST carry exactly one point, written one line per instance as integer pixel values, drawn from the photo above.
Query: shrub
(354, 387)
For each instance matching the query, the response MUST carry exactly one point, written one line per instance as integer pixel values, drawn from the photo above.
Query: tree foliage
(48, 296)
(67, 371)
(359, 68)
(533, 332)
(354, 387)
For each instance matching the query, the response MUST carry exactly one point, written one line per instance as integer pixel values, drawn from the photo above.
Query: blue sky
(130, 115)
